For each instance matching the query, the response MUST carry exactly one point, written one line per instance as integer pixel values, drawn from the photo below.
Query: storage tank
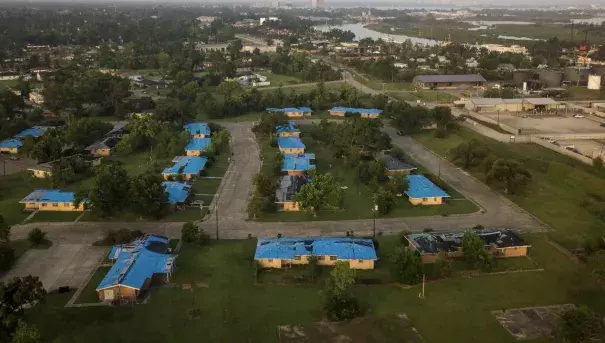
(594, 82)
(520, 76)
(576, 76)
(598, 69)
(550, 77)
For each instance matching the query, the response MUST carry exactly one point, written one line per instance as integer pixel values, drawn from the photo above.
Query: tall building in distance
(317, 3)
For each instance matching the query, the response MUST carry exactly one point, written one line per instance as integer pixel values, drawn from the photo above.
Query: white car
(578, 116)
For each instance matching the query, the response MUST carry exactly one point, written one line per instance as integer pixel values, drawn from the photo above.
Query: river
(362, 32)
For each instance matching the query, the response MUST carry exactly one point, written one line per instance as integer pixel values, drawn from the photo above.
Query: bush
(36, 236)
(203, 238)
(7, 257)
(189, 232)
(341, 307)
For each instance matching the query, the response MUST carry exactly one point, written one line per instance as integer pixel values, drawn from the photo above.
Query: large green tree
(339, 303)
(323, 192)
(509, 175)
(5, 230)
(578, 325)
(15, 295)
(85, 131)
(406, 266)
(111, 191)
(49, 147)
(469, 154)
(148, 196)
(473, 249)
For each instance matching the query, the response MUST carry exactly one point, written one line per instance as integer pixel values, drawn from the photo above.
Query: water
(362, 32)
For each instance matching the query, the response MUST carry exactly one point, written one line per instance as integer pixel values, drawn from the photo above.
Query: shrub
(203, 238)
(36, 236)
(189, 232)
(341, 307)
(7, 257)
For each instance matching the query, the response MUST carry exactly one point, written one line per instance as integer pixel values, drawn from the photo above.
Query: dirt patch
(385, 329)
(530, 322)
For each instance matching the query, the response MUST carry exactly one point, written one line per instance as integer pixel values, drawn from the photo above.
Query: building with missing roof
(499, 242)
(293, 112)
(289, 185)
(359, 253)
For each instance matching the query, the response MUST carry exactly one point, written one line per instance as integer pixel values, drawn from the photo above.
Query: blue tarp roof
(198, 144)
(290, 109)
(49, 195)
(189, 165)
(34, 131)
(344, 248)
(293, 162)
(138, 261)
(356, 110)
(289, 127)
(197, 128)
(11, 143)
(177, 191)
(421, 187)
(290, 143)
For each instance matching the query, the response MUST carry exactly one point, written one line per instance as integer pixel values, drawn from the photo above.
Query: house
(362, 112)
(6, 75)
(285, 252)
(198, 130)
(137, 266)
(289, 185)
(102, 147)
(396, 166)
(293, 111)
(10, 146)
(51, 200)
(44, 170)
(499, 242)
(288, 130)
(290, 145)
(297, 164)
(178, 192)
(197, 146)
(36, 131)
(119, 129)
(448, 81)
(188, 167)
(422, 191)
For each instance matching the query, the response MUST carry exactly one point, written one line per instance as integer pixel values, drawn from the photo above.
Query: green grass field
(52, 216)
(235, 309)
(278, 79)
(89, 294)
(357, 198)
(556, 193)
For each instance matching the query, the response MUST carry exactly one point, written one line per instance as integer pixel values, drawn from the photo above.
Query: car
(13, 158)
(400, 133)
(578, 116)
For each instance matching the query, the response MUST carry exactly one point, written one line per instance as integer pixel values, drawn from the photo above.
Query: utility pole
(216, 213)
(374, 209)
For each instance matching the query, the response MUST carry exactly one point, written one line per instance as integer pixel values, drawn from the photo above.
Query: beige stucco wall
(195, 152)
(288, 134)
(100, 152)
(10, 150)
(48, 206)
(41, 174)
(427, 201)
(322, 261)
(292, 151)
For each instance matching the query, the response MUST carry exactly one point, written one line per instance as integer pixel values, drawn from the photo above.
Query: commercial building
(289, 185)
(499, 242)
(449, 81)
(290, 145)
(317, 3)
(10, 146)
(198, 130)
(197, 146)
(396, 166)
(293, 111)
(288, 130)
(297, 164)
(138, 266)
(102, 147)
(362, 112)
(51, 200)
(511, 105)
(36, 132)
(421, 191)
(286, 252)
(188, 167)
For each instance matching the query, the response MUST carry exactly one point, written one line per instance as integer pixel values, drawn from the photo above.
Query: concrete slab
(562, 123)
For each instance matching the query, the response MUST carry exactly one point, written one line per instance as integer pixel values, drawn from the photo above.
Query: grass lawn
(13, 188)
(234, 309)
(559, 186)
(278, 79)
(55, 216)
(357, 198)
(583, 93)
(89, 294)
(4, 84)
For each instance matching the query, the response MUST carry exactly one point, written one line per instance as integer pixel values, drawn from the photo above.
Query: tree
(5, 230)
(14, 296)
(339, 304)
(407, 266)
(342, 276)
(148, 195)
(372, 172)
(256, 205)
(189, 232)
(85, 131)
(26, 334)
(323, 192)
(473, 249)
(36, 236)
(110, 193)
(596, 263)
(267, 124)
(7, 257)
(385, 199)
(578, 325)
(442, 116)
(469, 154)
(508, 174)
(49, 147)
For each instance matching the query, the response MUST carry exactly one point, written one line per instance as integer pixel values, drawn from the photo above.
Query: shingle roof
(451, 78)
(48, 195)
(421, 187)
(34, 132)
(177, 191)
(290, 143)
(393, 163)
(197, 128)
(188, 164)
(11, 143)
(138, 261)
(198, 144)
(105, 143)
(356, 110)
(343, 248)
(293, 162)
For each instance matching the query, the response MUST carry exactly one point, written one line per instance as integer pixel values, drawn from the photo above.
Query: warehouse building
(448, 81)
(511, 105)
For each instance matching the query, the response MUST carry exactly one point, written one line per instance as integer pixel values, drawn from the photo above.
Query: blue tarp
(294, 162)
(289, 127)
(421, 187)
(189, 165)
(290, 143)
(198, 144)
(35, 132)
(197, 128)
(136, 262)
(177, 191)
(343, 248)
(356, 110)
(49, 195)
(11, 143)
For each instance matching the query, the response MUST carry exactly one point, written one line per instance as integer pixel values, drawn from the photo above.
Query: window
(297, 258)
(44, 204)
(55, 205)
(320, 258)
(270, 260)
(333, 258)
(425, 199)
(359, 261)
(66, 204)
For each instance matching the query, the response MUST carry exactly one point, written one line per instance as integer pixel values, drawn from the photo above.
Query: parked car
(578, 116)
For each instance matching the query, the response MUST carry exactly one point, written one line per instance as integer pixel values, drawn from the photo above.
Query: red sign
(583, 47)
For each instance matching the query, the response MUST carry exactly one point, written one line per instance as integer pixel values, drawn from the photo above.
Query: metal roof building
(343, 248)
(198, 144)
(11, 143)
(290, 127)
(290, 143)
(195, 129)
(298, 162)
(394, 164)
(177, 191)
(186, 165)
(35, 131)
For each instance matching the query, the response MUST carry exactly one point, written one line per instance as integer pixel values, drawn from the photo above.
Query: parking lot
(10, 166)
(561, 123)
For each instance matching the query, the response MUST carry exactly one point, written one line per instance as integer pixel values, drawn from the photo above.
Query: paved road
(300, 85)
